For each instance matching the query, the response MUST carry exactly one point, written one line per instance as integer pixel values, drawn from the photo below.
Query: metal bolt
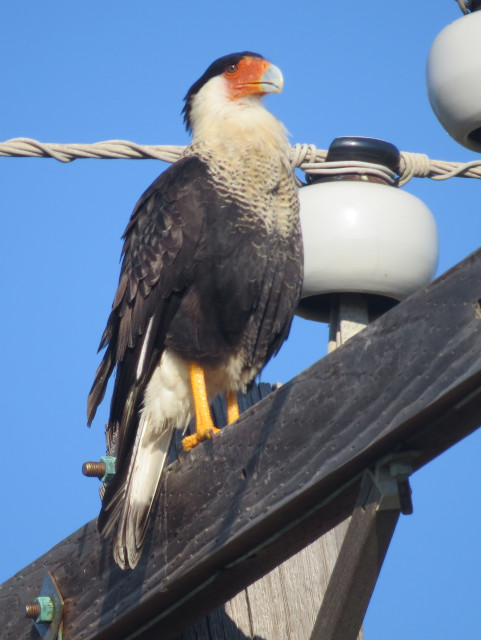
(40, 609)
(94, 469)
(32, 610)
(103, 469)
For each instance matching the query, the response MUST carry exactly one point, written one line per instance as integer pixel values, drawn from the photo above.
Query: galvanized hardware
(391, 475)
(32, 609)
(41, 609)
(104, 469)
(401, 471)
(46, 610)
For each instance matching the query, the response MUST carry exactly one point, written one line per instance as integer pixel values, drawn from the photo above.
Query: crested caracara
(210, 278)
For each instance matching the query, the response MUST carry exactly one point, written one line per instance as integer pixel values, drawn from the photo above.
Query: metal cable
(306, 157)
(108, 149)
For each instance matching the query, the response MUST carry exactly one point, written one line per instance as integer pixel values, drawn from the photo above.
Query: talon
(189, 442)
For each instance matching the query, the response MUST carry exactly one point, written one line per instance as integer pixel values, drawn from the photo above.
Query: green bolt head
(109, 462)
(46, 609)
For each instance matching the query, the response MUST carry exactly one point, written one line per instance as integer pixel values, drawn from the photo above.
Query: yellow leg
(232, 407)
(204, 427)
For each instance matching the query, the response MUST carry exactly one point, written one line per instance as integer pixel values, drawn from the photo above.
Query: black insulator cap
(474, 5)
(364, 150)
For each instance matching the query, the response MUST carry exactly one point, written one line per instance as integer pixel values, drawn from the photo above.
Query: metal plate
(51, 630)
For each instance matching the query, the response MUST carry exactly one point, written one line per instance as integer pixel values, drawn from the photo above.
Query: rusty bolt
(40, 609)
(94, 469)
(32, 610)
(104, 469)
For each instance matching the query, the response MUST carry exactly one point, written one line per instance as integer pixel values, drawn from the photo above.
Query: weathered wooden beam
(358, 566)
(236, 506)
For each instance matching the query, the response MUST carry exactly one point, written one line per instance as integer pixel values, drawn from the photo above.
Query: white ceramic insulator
(453, 78)
(364, 237)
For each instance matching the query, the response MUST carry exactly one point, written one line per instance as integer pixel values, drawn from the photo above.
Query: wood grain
(286, 472)
(357, 568)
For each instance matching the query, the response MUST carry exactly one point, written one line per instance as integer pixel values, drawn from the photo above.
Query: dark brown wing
(158, 253)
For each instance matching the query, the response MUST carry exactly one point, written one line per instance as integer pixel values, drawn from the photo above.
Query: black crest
(215, 69)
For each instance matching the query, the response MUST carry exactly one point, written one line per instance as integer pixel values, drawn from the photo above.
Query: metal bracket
(46, 610)
(391, 476)
(385, 492)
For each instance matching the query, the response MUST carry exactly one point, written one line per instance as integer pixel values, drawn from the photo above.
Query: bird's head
(235, 80)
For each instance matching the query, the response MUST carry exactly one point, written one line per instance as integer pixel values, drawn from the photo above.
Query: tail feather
(130, 506)
(146, 426)
(99, 386)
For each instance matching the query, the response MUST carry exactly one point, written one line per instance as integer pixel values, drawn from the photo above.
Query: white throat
(221, 123)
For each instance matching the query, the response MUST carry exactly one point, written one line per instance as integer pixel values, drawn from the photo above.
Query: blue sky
(95, 71)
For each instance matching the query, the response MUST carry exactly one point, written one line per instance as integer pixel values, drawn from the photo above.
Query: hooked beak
(272, 80)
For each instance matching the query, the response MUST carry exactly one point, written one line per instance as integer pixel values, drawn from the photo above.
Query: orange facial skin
(253, 76)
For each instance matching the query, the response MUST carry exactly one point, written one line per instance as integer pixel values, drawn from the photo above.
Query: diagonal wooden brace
(360, 559)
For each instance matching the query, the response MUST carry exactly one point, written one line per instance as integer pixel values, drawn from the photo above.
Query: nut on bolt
(46, 610)
(104, 469)
(40, 609)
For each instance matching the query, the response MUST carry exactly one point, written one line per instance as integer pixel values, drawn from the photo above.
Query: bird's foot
(189, 442)
(204, 427)
(232, 407)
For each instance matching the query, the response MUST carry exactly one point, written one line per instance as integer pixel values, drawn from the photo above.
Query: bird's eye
(231, 69)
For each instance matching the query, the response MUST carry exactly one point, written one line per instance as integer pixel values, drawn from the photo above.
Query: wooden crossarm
(241, 503)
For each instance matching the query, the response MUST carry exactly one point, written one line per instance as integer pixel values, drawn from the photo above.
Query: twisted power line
(306, 157)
